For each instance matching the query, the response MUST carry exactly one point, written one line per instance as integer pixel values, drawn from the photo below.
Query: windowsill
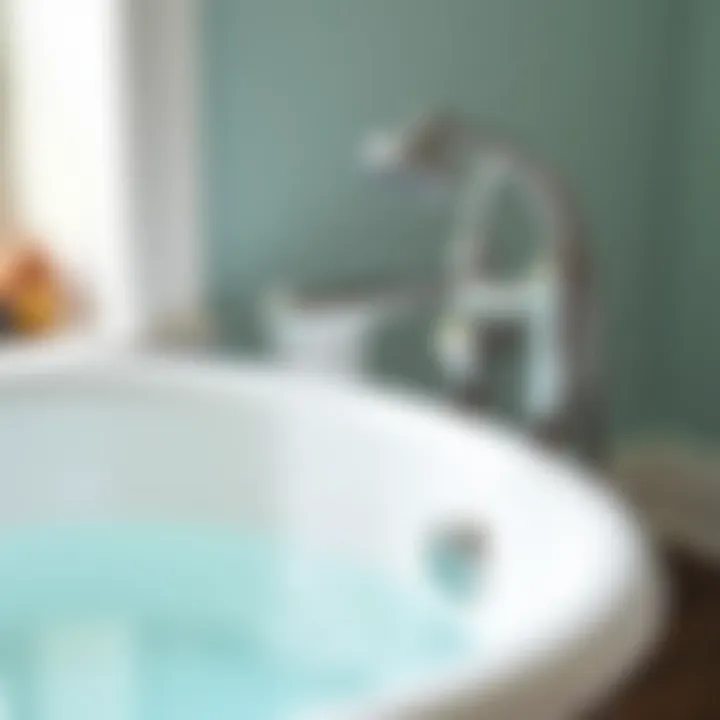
(65, 345)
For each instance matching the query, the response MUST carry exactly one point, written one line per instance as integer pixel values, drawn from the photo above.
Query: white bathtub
(570, 599)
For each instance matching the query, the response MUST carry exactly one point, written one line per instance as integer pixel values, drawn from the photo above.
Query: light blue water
(177, 623)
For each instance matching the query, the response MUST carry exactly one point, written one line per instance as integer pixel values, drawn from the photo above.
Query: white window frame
(103, 146)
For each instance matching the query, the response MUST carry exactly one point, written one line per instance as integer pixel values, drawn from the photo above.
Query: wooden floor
(683, 682)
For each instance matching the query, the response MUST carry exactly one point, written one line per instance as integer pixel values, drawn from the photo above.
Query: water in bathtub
(173, 623)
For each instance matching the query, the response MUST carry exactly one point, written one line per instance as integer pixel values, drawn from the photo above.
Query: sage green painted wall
(687, 388)
(293, 84)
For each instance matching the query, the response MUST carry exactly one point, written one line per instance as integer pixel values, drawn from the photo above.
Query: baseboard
(676, 487)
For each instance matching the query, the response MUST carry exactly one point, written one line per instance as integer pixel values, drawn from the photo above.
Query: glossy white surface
(571, 597)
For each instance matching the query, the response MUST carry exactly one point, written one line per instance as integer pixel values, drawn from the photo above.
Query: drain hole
(454, 557)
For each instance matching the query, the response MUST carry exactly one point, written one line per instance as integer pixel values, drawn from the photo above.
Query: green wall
(293, 84)
(687, 386)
